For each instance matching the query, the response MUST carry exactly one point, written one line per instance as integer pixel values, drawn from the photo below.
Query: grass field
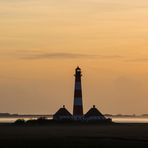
(98, 136)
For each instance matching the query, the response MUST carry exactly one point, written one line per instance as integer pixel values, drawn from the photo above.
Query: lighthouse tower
(78, 104)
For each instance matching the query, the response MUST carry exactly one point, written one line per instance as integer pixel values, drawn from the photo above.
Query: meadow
(70, 135)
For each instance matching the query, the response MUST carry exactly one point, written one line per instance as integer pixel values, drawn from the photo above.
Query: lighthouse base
(78, 118)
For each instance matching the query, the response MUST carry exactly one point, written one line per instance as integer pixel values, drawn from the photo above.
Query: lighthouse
(78, 103)
(92, 116)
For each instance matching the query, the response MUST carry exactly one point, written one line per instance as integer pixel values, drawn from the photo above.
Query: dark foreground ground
(93, 136)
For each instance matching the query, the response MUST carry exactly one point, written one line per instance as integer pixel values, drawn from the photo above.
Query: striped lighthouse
(78, 104)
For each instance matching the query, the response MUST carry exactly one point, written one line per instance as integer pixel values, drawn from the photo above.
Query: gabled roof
(94, 112)
(63, 112)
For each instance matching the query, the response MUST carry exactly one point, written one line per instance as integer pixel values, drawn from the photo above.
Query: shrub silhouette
(20, 121)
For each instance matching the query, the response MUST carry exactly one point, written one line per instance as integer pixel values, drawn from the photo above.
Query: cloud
(33, 55)
(145, 60)
(57, 56)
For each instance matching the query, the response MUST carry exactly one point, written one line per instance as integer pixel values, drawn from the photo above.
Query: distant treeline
(2, 115)
(122, 115)
(6, 115)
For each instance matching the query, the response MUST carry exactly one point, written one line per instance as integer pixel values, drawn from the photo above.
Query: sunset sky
(43, 41)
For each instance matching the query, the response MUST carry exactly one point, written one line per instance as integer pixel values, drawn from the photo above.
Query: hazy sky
(42, 41)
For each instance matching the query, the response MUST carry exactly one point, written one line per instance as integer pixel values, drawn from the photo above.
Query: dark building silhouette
(78, 103)
(62, 114)
(94, 115)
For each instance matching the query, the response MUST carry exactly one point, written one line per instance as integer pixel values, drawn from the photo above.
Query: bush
(20, 121)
